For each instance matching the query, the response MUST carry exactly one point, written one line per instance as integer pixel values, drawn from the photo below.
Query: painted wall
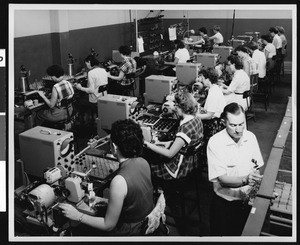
(240, 27)
(217, 13)
(36, 22)
(44, 36)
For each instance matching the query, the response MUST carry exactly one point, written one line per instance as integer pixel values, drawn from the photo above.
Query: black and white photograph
(149, 123)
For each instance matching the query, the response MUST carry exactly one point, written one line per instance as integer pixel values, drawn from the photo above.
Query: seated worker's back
(138, 202)
(61, 90)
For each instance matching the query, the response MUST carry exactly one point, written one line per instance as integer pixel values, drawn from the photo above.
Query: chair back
(246, 94)
(67, 103)
(130, 75)
(270, 65)
(254, 82)
(140, 71)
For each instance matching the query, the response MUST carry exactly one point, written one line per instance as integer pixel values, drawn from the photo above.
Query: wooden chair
(250, 113)
(67, 123)
(130, 86)
(260, 90)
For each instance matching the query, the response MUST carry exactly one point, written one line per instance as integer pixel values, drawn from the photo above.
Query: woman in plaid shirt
(189, 133)
(127, 70)
(61, 90)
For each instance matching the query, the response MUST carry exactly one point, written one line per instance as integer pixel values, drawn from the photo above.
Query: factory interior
(73, 161)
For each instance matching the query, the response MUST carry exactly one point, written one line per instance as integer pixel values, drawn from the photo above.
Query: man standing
(234, 158)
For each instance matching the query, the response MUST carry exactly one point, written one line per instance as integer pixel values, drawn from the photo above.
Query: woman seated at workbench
(239, 84)
(189, 133)
(96, 87)
(215, 101)
(213, 107)
(127, 70)
(61, 90)
(182, 55)
(130, 191)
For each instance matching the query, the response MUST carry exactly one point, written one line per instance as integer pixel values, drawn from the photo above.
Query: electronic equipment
(168, 107)
(42, 147)
(112, 107)
(73, 184)
(165, 125)
(186, 73)
(32, 95)
(39, 199)
(148, 120)
(24, 74)
(157, 87)
(223, 52)
(116, 56)
(195, 38)
(255, 35)
(207, 59)
(246, 38)
(71, 60)
(104, 166)
(237, 42)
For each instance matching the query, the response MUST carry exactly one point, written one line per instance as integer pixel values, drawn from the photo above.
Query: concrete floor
(265, 128)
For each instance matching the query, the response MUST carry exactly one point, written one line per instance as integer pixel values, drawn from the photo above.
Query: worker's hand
(70, 212)
(254, 177)
(78, 86)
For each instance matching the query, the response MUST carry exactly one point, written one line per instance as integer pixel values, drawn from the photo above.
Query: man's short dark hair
(55, 70)
(128, 136)
(232, 108)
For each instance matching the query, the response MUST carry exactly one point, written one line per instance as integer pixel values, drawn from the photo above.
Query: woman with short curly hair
(189, 133)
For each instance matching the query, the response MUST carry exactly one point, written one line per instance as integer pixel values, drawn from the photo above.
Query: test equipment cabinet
(157, 87)
(237, 42)
(223, 52)
(43, 148)
(186, 73)
(207, 59)
(112, 107)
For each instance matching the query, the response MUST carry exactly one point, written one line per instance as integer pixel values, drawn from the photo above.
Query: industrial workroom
(74, 161)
